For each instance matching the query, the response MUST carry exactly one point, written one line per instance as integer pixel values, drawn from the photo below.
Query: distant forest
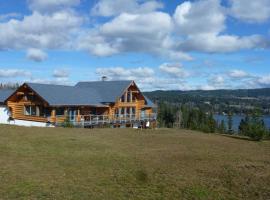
(239, 101)
(9, 85)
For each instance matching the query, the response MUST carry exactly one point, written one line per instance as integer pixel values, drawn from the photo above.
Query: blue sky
(202, 44)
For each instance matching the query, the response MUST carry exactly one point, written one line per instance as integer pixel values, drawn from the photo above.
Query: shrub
(67, 123)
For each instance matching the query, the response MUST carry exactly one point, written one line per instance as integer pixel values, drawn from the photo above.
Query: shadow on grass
(239, 137)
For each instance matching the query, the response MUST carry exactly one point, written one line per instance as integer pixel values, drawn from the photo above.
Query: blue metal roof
(94, 93)
(58, 95)
(149, 103)
(109, 91)
(4, 94)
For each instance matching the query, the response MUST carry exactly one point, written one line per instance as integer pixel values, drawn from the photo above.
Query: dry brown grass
(57, 163)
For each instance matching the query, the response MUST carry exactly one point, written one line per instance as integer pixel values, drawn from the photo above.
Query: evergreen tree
(222, 127)
(254, 128)
(211, 123)
(230, 124)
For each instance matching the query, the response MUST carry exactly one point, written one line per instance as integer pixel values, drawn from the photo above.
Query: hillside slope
(58, 163)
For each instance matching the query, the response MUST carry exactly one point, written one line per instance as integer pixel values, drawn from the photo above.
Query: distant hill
(239, 93)
(237, 101)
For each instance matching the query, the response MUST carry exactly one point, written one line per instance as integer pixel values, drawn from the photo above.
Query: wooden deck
(96, 120)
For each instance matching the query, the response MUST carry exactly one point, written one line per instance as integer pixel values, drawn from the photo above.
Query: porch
(96, 120)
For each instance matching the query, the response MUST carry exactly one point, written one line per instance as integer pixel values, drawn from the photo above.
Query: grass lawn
(58, 163)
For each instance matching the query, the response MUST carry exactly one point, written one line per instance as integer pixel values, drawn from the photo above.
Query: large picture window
(31, 110)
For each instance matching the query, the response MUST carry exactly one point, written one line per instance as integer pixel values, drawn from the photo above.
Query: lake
(237, 120)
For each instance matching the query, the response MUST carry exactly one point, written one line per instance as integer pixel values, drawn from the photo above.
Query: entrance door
(142, 114)
(72, 114)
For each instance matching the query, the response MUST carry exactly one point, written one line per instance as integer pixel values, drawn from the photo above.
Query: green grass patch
(62, 163)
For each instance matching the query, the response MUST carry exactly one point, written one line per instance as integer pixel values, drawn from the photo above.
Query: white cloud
(48, 31)
(202, 23)
(264, 81)
(36, 55)
(148, 33)
(51, 5)
(13, 73)
(120, 73)
(61, 73)
(199, 17)
(109, 8)
(147, 78)
(174, 70)
(256, 11)
(238, 74)
(211, 43)
(9, 16)
(57, 81)
(216, 81)
(132, 26)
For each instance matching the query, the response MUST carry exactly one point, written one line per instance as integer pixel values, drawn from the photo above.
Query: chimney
(104, 78)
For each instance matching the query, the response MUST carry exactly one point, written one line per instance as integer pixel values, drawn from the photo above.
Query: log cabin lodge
(87, 104)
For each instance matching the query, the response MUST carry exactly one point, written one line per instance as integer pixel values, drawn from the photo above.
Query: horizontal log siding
(18, 112)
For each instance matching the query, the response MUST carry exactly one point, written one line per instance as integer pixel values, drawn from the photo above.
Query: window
(28, 97)
(128, 110)
(27, 110)
(128, 96)
(123, 98)
(60, 111)
(31, 110)
(133, 97)
(122, 111)
(133, 110)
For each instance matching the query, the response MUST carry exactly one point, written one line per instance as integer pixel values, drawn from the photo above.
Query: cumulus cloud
(57, 81)
(9, 16)
(216, 81)
(264, 81)
(200, 17)
(36, 55)
(211, 43)
(61, 73)
(251, 11)
(42, 31)
(147, 78)
(107, 8)
(132, 26)
(174, 70)
(13, 73)
(148, 33)
(51, 5)
(190, 19)
(120, 73)
(236, 74)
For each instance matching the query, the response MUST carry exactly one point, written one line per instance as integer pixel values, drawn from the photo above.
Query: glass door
(72, 114)
(142, 114)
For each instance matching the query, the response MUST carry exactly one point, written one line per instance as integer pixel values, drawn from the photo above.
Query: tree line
(196, 118)
(9, 85)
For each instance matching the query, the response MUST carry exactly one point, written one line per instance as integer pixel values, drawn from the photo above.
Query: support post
(53, 118)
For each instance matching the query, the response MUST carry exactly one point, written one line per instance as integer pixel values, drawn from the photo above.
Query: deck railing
(86, 120)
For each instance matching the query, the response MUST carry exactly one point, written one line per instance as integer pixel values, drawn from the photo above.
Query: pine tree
(254, 128)
(222, 127)
(211, 123)
(230, 124)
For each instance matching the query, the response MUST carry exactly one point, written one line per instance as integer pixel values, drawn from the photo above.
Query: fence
(91, 120)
